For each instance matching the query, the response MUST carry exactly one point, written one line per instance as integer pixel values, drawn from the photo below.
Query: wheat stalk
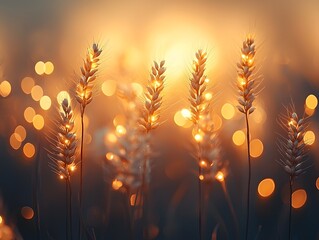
(84, 96)
(198, 107)
(149, 121)
(63, 156)
(126, 154)
(246, 84)
(292, 149)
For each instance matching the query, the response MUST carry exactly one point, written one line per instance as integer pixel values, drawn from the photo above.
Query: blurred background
(42, 44)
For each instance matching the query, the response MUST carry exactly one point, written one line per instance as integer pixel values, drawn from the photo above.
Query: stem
(81, 175)
(290, 208)
(67, 227)
(70, 207)
(249, 177)
(200, 203)
(200, 228)
(36, 194)
(133, 212)
(144, 194)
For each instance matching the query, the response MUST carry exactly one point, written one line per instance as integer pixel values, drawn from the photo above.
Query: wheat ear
(293, 150)
(246, 84)
(84, 96)
(149, 121)
(63, 156)
(197, 108)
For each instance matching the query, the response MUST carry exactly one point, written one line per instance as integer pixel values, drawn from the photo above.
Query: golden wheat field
(159, 120)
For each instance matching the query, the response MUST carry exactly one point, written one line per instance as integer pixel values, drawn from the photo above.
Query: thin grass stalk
(36, 193)
(198, 106)
(200, 197)
(67, 221)
(84, 95)
(81, 176)
(63, 156)
(246, 88)
(70, 207)
(249, 175)
(290, 207)
(293, 150)
(145, 198)
(149, 121)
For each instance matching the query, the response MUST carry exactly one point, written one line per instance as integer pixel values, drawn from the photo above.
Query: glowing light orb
(220, 176)
(256, 148)
(20, 130)
(5, 89)
(228, 111)
(36, 93)
(27, 213)
(38, 122)
(311, 101)
(27, 84)
(29, 150)
(116, 184)
(45, 102)
(309, 137)
(239, 138)
(48, 68)
(299, 198)
(15, 141)
(121, 130)
(29, 114)
(109, 87)
(266, 187)
(39, 68)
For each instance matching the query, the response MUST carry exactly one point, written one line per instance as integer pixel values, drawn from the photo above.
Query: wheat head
(88, 75)
(292, 147)
(246, 82)
(63, 154)
(153, 99)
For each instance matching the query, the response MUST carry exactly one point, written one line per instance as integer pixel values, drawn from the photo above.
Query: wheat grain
(246, 84)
